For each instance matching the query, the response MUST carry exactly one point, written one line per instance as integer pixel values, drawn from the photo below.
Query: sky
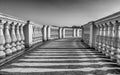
(60, 12)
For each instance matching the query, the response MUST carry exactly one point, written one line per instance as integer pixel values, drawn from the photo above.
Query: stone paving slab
(69, 59)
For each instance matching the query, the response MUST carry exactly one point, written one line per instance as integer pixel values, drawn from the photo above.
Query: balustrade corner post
(22, 36)
(60, 32)
(74, 32)
(28, 31)
(8, 50)
(63, 32)
(44, 33)
(13, 37)
(93, 32)
(2, 41)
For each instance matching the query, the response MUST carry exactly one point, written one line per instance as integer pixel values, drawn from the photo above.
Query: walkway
(61, 57)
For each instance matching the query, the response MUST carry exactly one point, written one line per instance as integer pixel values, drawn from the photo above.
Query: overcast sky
(60, 12)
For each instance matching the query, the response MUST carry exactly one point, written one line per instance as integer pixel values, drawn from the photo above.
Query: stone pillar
(22, 36)
(8, 50)
(63, 32)
(74, 32)
(28, 31)
(48, 33)
(115, 42)
(2, 41)
(60, 32)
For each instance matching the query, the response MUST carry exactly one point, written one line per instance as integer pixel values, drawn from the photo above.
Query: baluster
(118, 49)
(115, 41)
(2, 41)
(100, 40)
(22, 36)
(13, 37)
(18, 37)
(103, 42)
(8, 50)
(106, 40)
(110, 38)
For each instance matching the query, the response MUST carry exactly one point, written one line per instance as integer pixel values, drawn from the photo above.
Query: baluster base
(13, 49)
(2, 54)
(8, 51)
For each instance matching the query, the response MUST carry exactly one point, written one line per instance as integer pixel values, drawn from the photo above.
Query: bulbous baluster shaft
(18, 37)
(2, 41)
(13, 37)
(22, 36)
(8, 50)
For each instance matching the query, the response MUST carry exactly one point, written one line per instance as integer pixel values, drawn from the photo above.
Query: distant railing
(104, 35)
(16, 35)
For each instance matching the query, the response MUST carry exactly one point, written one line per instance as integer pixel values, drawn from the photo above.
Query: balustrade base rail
(19, 53)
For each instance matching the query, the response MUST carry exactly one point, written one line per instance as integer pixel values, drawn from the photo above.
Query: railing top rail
(10, 18)
(111, 18)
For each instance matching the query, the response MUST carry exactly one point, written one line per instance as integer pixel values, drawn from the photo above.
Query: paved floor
(61, 57)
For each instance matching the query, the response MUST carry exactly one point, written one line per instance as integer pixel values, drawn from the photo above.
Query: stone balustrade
(16, 35)
(11, 35)
(105, 35)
